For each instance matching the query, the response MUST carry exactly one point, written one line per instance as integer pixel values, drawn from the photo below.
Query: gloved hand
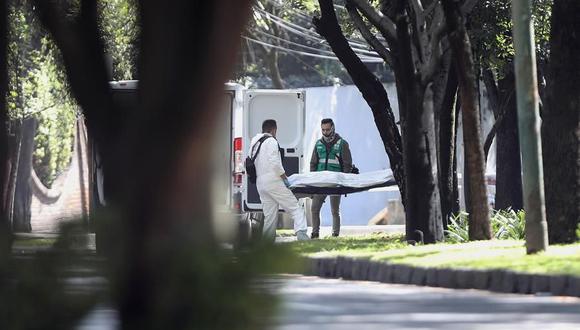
(286, 182)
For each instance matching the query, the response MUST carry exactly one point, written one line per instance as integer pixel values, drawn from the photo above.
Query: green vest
(328, 159)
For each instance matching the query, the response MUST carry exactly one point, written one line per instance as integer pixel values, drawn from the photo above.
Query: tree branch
(366, 33)
(419, 12)
(436, 53)
(377, 19)
(467, 6)
(492, 91)
(438, 19)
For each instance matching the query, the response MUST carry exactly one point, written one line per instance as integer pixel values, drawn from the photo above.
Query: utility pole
(529, 127)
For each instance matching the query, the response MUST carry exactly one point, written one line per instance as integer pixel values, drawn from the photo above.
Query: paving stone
(310, 266)
(446, 278)
(345, 267)
(329, 267)
(558, 284)
(573, 286)
(374, 271)
(360, 269)
(431, 278)
(524, 283)
(481, 279)
(402, 274)
(419, 276)
(464, 278)
(386, 273)
(495, 281)
(540, 284)
(509, 282)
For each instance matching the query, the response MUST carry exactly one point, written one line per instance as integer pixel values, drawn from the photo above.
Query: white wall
(354, 122)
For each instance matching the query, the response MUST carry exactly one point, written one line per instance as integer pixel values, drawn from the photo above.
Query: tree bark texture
(447, 138)
(23, 191)
(508, 184)
(561, 124)
(371, 88)
(423, 202)
(156, 178)
(272, 60)
(5, 230)
(479, 225)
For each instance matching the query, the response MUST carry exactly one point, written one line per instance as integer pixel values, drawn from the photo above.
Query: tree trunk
(272, 60)
(156, 181)
(5, 234)
(23, 191)
(479, 226)
(561, 124)
(508, 161)
(371, 88)
(447, 137)
(423, 209)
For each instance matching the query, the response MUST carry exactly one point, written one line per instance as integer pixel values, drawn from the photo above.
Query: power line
(330, 52)
(308, 18)
(300, 30)
(366, 59)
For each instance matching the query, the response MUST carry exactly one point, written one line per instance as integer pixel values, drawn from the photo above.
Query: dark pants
(317, 202)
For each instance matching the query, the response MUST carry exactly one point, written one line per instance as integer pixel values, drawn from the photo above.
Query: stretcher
(336, 183)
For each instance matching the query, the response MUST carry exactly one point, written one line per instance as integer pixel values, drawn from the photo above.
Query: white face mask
(329, 136)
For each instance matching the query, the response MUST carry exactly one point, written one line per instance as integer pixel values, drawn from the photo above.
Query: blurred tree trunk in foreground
(5, 230)
(154, 156)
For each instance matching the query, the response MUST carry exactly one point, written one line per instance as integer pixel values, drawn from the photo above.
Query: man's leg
(317, 202)
(289, 203)
(270, 208)
(335, 208)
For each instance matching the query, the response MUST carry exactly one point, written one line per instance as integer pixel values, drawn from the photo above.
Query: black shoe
(334, 234)
(314, 235)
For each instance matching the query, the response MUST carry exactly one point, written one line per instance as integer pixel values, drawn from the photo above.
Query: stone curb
(496, 280)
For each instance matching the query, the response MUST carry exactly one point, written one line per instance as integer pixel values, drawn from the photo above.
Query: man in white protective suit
(272, 183)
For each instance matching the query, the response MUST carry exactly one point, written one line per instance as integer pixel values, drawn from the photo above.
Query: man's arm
(274, 157)
(314, 160)
(346, 157)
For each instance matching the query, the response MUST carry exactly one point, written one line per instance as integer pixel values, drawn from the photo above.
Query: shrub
(505, 224)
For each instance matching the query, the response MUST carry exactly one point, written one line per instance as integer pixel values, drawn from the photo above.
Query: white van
(241, 114)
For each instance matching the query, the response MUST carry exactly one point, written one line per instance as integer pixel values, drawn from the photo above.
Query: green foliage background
(38, 85)
(38, 88)
(490, 32)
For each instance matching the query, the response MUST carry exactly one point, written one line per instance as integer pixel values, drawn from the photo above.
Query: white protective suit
(273, 192)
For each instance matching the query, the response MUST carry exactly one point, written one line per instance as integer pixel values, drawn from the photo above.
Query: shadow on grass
(370, 243)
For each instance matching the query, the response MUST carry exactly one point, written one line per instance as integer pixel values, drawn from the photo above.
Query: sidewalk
(493, 280)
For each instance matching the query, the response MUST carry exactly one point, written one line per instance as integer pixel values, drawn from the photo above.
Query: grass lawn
(495, 254)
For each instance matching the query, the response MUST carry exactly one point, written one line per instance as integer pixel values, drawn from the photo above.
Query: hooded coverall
(271, 188)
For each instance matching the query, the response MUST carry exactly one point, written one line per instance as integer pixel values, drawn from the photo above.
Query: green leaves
(490, 28)
(38, 87)
(506, 225)
(120, 28)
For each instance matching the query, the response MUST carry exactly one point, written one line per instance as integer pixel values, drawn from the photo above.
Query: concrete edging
(496, 280)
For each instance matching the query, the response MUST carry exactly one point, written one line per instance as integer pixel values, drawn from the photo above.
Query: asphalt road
(321, 304)
(316, 303)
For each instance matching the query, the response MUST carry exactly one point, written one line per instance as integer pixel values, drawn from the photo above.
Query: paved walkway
(316, 303)
(328, 304)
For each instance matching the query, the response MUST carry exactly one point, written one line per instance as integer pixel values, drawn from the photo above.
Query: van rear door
(287, 108)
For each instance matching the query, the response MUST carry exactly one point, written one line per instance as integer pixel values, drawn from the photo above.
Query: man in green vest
(331, 153)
